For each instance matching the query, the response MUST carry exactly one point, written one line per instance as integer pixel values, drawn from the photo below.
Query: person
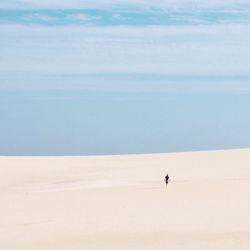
(166, 179)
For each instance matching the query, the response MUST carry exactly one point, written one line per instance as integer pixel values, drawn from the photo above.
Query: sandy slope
(121, 202)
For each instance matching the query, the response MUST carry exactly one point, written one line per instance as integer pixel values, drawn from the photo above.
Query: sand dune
(121, 202)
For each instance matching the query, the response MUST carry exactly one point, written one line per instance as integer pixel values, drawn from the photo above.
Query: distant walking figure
(166, 179)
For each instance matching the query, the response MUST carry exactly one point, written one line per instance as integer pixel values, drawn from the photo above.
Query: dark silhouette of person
(166, 179)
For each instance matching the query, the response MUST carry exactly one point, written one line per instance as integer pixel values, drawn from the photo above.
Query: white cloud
(83, 17)
(73, 51)
(39, 17)
(124, 83)
(103, 58)
(118, 16)
(190, 4)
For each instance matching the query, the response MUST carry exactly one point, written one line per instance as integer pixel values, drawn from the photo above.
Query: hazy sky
(120, 76)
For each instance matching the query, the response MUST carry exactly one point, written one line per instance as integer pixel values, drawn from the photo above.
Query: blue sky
(110, 77)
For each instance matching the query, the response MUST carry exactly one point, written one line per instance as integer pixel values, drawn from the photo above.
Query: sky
(114, 77)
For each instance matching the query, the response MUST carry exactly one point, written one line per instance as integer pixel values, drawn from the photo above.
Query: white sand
(121, 202)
